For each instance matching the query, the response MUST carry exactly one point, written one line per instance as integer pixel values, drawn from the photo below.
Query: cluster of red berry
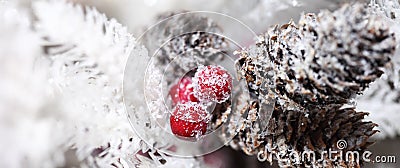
(209, 84)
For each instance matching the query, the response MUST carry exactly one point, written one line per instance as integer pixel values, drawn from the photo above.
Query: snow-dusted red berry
(212, 83)
(182, 91)
(173, 92)
(185, 90)
(189, 119)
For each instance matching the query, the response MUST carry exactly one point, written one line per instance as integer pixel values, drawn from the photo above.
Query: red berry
(212, 83)
(185, 90)
(189, 120)
(173, 92)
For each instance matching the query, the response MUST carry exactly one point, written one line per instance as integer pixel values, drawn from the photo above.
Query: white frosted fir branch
(87, 53)
(89, 58)
(61, 88)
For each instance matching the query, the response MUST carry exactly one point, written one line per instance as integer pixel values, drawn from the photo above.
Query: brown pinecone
(319, 65)
(325, 59)
(301, 131)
